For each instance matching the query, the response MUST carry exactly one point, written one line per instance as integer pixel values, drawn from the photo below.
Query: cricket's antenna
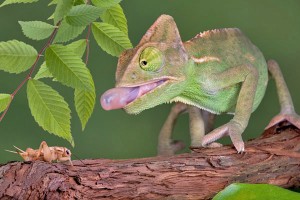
(19, 149)
(10, 151)
(81, 161)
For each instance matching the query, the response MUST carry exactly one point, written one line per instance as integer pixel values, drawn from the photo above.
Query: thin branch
(50, 40)
(87, 39)
(87, 45)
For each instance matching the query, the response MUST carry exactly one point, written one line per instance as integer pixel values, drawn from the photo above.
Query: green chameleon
(218, 71)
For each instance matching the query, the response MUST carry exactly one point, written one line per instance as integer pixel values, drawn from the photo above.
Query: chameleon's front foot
(170, 148)
(291, 117)
(233, 129)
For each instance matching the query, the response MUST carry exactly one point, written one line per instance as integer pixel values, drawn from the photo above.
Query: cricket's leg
(248, 75)
(165, 144)
(64, 159)
(46, 152)
(287, 111)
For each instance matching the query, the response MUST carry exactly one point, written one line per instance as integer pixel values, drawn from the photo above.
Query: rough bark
(273, 158)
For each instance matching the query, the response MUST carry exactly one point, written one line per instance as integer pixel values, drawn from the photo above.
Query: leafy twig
(50, 40)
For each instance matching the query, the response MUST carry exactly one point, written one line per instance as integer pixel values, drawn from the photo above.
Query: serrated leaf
(62, 8)
(85, 103)
(78, 47)
(16, 56)
(53, 2)
(36, 30)
(67, 67)
(105, 3)
(116, 17)
(238, 191)
(4, 101)
(66, 32)
(51, 17)
(49, 109)
(7, 2)
(110, 38)
(43, 72)
(82, 15)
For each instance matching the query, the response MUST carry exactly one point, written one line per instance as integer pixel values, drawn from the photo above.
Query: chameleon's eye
(151, 59)
(144, 62)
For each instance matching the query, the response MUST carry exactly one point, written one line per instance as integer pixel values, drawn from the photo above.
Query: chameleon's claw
(171, 149)
(239, 146)
(292, 118)
(177, 145)
(232, 129)
(237, 141)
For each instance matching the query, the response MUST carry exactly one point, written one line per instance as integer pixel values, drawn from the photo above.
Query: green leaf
(67, 67)
(66, 32)
(116, 17)
(85, 103)
(4, 101)
(49, 109)
(51, 17)
(43, 72)
(7, 2)
(110, 38)
(53, 2)
(16, 56)
(78, 47)
(62, 8)
(105, 3)
(78, 2)
(36, 30)
(82, 15)
(238, 191)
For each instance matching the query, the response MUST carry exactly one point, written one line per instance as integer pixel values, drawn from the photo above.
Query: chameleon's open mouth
(119, 97)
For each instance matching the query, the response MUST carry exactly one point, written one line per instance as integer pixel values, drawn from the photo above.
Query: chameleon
(217, 72)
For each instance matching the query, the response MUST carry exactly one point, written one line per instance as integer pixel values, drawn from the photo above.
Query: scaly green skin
(218, 71)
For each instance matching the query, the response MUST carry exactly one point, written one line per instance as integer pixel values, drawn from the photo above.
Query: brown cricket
(45, 153)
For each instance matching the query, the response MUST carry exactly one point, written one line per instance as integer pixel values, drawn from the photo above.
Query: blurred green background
(273, 25)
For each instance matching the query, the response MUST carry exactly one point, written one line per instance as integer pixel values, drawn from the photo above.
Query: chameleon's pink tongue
(119, 97)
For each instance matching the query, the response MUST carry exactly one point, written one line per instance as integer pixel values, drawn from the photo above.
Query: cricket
(45, 153)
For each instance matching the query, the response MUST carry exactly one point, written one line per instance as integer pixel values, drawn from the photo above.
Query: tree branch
(273, 158)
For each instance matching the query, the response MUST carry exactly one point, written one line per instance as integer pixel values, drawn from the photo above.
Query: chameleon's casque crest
(164, 30)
